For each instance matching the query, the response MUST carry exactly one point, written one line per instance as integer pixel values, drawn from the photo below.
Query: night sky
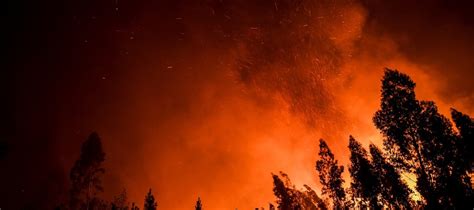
(209, 97)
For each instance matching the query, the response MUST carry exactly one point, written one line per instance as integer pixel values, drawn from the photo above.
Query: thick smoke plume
(207, 98)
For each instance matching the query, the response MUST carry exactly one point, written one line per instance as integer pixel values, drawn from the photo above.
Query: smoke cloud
(207, 98)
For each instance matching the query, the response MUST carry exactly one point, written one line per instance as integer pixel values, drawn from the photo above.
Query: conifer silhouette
(198, 204)
(150, 203)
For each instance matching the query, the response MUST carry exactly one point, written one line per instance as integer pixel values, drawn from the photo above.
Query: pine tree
(395, 193)
(150, 203)
(198, 204)
(330, 176)
(85, 174)
(365, 185)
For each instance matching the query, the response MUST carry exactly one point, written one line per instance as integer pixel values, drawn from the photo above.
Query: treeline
(417, 141)
(85, 178)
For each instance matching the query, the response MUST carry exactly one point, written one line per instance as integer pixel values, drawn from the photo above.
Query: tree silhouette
(465, 126)
(120, 201)
(286, 200)
(150, 203)
(465, 146)
(440, 147)
(134, 207)
(398, 121)
(395, 193)
(365, 185)
(198, 204)
(330, 176)
(271, 206)
(85, 174)
(314, 198)
(417, 139)
(420, 140)
(289, 198)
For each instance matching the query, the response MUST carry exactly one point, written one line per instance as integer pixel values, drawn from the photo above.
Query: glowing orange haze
(191, 128)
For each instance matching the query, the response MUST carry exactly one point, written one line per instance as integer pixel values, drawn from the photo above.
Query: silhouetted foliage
(465, 126)
(395, 193)
(289, 198)
(271, 206)
(365, 185)
(417, 138)
(85, 175)
(120, 201)
(134, 207)
(465, 158)
(314, 198)
(330, 176)
(198, 204)
(420, 140)
(150, 203)
(286, 199)
(398, 120)
(445, 164)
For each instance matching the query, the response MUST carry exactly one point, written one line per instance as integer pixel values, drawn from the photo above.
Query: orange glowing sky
(204, 133)
(208, 99)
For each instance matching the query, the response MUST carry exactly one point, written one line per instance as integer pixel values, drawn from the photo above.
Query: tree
(398, 121)
(365, 184)
(314, 198)
(150, 203)
(419, 140)
(271, 206)
(85, 174)
(134, 207)
(465, 158)
(330, 176)
(440, 147)
(120, 201)
(286, 200)
(198, 204)
(395, 193)
(465, 126)
(290, 198)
